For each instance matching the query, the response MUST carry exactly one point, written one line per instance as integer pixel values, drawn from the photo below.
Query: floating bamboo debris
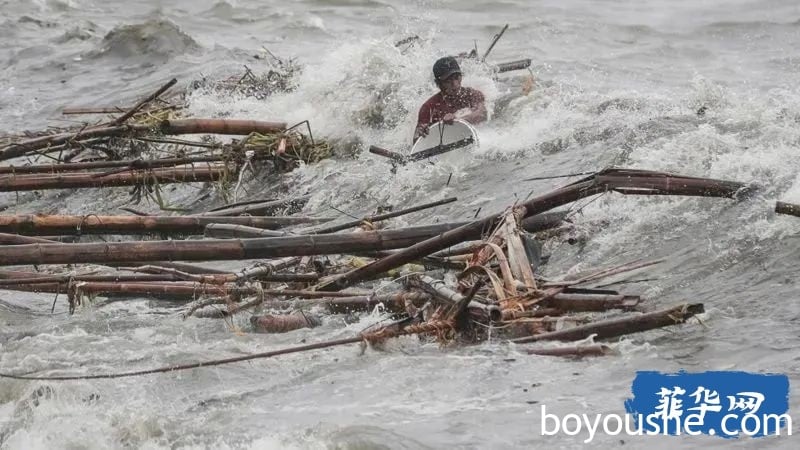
(787, 208)
(494, 42)
(512, 65)
(17, 183)
(175, 290)
(37, 278)
(226, 231)
(76, 111)
(572, 351)
(133, 164)
(625, 181)
(611, 328)
(176, 266)
(445, 321)
(15, 239)
(590, 302)
(262, 209)
(129, 113)
(220, 126)
(41, 224)
(166, 127)
(284, 323)
(438, 289)
(214, 249)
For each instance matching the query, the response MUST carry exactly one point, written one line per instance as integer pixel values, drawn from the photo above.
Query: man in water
(452, 102)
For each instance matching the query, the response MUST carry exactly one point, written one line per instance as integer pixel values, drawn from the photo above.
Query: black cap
(444, 67)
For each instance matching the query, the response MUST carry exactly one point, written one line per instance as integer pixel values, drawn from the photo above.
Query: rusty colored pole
(40, 224)
(14, 183)
(220, 126)
(215, 249)
(607, 329)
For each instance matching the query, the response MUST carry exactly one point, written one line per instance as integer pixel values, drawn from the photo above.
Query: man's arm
(477, 109)
(423, 122)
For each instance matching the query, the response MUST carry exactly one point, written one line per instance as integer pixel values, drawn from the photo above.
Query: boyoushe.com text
(731, 425)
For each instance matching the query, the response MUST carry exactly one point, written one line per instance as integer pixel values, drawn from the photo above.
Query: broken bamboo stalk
(607, 329)
(89, 110)
(231, 231)
(182, 267)
(283, 323)
(787, 208)
(494, 42)
(221, 126)
(139, 105)
(172, 290)
(133, 164)
(438, 289)
(263, 208)
(40, 224)
(148, 278)
(265, 268)
(572, 351)
(590, 302)
(71, 181)
(512, 65)
(626, 181)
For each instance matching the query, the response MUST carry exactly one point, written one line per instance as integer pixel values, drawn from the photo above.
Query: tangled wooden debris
(455, 283)
(497, 292)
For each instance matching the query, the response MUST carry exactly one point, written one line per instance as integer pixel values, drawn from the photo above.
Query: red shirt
(436, 107)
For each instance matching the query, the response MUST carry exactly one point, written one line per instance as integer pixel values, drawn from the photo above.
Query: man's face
(451, 84)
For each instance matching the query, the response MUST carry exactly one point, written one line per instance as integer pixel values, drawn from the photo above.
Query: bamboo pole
(215, 249)
(283, 323)
(133, 164)
(41, 224)
(607, 329)
(221, 126)
(787, 208)
(15, 239)
(590, 302)
(494, 42)
(173, 290)
(572, 351)
(512, 65)
(71, 181)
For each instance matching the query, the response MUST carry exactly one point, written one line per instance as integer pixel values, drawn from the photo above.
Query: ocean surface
(616, 83)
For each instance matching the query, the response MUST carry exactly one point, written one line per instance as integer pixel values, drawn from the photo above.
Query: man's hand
(421, 131)
(449, 118)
